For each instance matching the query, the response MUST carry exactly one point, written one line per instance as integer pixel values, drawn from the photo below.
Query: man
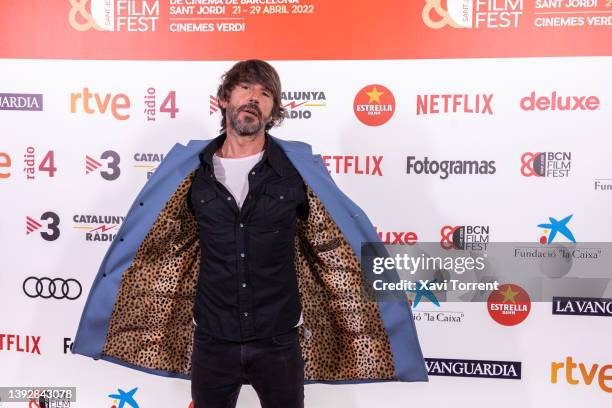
(224, 277)
(247, 304)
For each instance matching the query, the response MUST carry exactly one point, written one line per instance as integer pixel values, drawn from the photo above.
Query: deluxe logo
(509, 305)
(374, 105)
(472, 13)
(397, 237)
(21, 102)
(585, 372)
(123, 399)
(298, 105)
(556, 227)
(559, 103)
(111, 171)
(148, 162)
(46, 164)
(114, 15)
(51, 232)
(106, 231)
(368, 165)
(5, 165)
(465, 237)
(507, 370)
(546, 164)
(20, 343)
(447, 167)
(580, 306)
(454, 103)
(93, 103)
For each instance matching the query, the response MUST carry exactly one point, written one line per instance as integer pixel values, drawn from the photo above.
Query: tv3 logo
(112, 170)
(52, 231)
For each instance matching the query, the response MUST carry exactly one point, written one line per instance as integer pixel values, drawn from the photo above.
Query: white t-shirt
(233, 173)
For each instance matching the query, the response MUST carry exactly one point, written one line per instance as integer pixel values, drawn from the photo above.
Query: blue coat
(139, 309)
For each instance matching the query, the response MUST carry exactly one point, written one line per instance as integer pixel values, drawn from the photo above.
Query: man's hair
(254, 72)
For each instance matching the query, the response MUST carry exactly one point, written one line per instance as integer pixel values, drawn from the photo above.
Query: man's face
(249, 108)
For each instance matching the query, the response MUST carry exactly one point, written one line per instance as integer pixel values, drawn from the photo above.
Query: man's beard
(249, 125)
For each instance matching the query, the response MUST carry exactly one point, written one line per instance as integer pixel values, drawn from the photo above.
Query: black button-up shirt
(247, 287)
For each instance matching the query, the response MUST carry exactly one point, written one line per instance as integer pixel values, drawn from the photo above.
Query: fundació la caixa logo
(123, 399)
(554, 227)
(114, 15)
(472, 13)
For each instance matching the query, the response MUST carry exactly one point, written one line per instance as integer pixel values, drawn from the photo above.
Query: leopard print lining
(342, 337)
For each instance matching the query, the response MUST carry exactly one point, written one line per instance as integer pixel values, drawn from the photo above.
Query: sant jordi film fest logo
(472, 13)
(546, 164)
(374, 105)
(124, 399)
(114, 15)
(509, 305)
(555, 227)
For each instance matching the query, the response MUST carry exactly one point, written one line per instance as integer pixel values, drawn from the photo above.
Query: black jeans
(273, 366)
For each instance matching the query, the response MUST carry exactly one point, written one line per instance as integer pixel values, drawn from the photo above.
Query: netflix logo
(454, 103)
(367, 165)
(19, 343)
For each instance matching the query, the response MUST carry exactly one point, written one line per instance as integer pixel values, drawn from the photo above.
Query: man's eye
(267, 94)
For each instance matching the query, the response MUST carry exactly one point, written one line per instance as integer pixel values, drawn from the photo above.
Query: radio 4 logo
(50, 231)
(21, 102)
(509, 305)
(114, 15)
(100, 228)
(148, 162)
(555, 228)
(454, 103)
(546, 164)
(374, 105)
(491, 14)
(109, 170)
(366, 165)
(299, 105)
(582, 306)
(34, 162)
(507, 370)
(465, 237)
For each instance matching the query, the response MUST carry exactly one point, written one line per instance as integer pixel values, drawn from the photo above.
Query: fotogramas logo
(580, 306)
(445, 168)
(114, 15)
(465, 237)
(148, 162)
(20, 343)
(546, 164)
(507, 370)
(509, 305)
(364, 165)
(56, 288)
(374, 105)
(491, 14)
(300, 105)
(21, 102)
(98, 228)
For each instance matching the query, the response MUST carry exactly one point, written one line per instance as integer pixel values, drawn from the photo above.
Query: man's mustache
(250, 107)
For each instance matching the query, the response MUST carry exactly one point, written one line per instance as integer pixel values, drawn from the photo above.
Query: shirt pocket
(279, 207)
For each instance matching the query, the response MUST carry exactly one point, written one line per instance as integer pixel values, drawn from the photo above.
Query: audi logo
(47, 288)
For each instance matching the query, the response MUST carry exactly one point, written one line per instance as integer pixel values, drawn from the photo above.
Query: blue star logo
(125, 397)
(423, 291)
(555, 227)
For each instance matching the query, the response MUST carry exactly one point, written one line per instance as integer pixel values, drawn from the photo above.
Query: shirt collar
(272, 152)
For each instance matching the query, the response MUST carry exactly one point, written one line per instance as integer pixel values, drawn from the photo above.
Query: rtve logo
(585, 373)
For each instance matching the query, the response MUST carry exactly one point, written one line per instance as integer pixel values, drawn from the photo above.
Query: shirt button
(244, 285)
(202, 201)
(246, 314)
(229, 198)
(241, 225)
(253, 173)
(242, 254)
(281, 197)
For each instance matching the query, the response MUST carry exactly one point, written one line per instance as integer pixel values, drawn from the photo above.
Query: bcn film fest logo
(472, 13)
(114, 15)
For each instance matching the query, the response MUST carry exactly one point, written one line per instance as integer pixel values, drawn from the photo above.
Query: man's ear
(223, 103)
